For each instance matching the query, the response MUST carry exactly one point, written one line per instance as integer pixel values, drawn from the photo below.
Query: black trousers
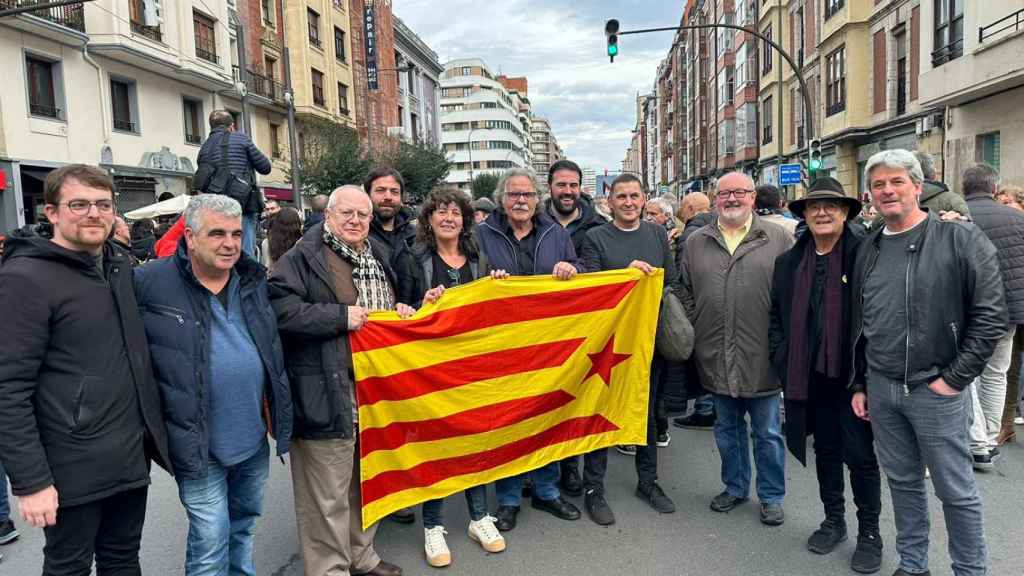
(109, 530)
(595, 464)
(842, 438)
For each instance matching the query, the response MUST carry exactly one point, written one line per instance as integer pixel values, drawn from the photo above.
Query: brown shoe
(382, 569)
(1006, 434)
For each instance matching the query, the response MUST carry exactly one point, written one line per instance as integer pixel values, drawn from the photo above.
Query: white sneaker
(436, 548)
(1018, 420)
(486, 533)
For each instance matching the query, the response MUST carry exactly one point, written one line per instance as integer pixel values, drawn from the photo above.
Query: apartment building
(972, 65)
(419, 87)
(546, 150)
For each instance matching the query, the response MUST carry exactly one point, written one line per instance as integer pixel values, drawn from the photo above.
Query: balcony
(70, 16)
(46, 111)
(151, 32)
(207, 55)
(124, 125)
(260, 85)
(1014, 22)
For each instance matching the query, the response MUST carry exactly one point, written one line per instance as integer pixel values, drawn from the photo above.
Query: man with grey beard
(726, 276)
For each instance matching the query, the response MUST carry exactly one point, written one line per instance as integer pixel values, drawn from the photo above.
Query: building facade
(546, 150)
(419, 87)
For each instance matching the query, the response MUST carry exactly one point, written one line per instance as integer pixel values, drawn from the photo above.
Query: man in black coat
(808, 335)
(393, 225)
(80, 411)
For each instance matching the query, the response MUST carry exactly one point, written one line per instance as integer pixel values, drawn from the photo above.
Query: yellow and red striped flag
(499, 378)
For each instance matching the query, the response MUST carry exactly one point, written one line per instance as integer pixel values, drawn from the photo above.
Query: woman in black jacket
(445, 256)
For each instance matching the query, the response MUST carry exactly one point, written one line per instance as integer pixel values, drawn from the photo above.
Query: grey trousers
(988, 396)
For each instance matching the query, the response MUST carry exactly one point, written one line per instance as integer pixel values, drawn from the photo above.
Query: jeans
(988, 396)
(842, 438)
(222, 509)
(5, 504)
(731, 436)
(109, 529)
(1010, 404)
(510, 490)
(476, 500)
(922, 429)
(595, 464)
(704, 405)
(249, 222)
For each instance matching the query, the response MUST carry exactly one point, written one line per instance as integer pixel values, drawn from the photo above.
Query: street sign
(789, 174)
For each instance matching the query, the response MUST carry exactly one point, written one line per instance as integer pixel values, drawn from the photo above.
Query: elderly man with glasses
(726, 276)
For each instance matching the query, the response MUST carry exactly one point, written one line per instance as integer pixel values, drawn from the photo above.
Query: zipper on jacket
(906, 352)
(168, 312)
(956, 336)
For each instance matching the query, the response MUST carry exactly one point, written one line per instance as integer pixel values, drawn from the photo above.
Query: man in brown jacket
(726, 275)
(321, 290)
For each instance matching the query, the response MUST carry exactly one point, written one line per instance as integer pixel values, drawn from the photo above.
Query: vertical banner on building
(370, 45)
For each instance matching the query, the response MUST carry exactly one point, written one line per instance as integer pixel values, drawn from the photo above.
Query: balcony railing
(261, 85)
(205, 55)
(70, 16)
(1013, 22)
(950, 51)
(193, 138)
(151, 32)
(124, 125)
(44, 110)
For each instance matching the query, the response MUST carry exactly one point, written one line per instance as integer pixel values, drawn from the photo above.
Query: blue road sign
(789, 174)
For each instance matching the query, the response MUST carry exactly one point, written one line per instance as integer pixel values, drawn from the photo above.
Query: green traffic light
(815, 164)
(613, 50)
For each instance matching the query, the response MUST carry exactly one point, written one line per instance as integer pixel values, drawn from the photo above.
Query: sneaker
(695, 421)
(8, 533)
(436, 548)
(655, 496)
(1018, 420)
(902, 572)
(867, 558)
(598, 509)
(994, 453)
(486, 533)
(628, 450)
(983, 462)
(828, 536)
(772, 514)
(725, 502)
(663, 440)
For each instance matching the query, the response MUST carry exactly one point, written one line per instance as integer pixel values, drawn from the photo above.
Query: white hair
(199, 205)
(896, 159)
(662, 205)
(334, 195)
(502, 187)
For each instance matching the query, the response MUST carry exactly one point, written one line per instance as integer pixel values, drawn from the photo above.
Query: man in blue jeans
(726, 276)
(218, 360)
(927, 311)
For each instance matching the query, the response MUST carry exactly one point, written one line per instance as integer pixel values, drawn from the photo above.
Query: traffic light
(611, 32)
(814, 157)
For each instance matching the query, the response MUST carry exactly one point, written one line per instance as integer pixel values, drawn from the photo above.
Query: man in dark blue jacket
(518, 239)
(218, 361)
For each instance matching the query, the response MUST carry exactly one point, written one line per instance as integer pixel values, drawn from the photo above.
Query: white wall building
(419, 87)
(546, 150)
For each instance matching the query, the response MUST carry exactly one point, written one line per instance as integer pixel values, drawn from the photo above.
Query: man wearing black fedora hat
(808, 334)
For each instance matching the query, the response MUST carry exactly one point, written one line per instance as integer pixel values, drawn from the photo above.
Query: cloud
(559, 45)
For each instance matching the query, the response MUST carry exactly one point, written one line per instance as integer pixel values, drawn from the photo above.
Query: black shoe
(527, 487)
(663, 440)
(655, 496)
(695, 421)
(983, 462)
(828, 536)
(902, 572)
(557, 507)
(598, 509)
(772, 514)
(8, 533)
(403, 516)
(506, 516)
(867, 558)
(570, 481)
(725, 502)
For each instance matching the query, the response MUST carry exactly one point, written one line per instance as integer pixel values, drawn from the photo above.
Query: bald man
(321, 290)
(693, 204)
(726, 275)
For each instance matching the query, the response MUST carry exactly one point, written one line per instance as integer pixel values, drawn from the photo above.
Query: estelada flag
(500, 377)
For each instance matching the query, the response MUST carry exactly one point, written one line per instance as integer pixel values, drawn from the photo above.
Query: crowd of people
(887, 336)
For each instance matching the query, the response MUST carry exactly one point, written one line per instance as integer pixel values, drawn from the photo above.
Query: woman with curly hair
(284, 231)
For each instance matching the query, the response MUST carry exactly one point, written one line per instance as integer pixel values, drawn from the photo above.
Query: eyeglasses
(738, 193)
(82, 207)
(521, 195)
(347, 215)
(824, 206)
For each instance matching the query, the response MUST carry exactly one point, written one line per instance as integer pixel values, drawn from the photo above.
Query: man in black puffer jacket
(80, 411)
(1004, 226)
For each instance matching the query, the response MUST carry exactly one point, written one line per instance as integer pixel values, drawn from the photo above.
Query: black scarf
(830, 354)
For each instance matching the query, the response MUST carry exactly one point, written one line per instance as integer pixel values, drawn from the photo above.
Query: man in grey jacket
(936, 196)
(726, 277)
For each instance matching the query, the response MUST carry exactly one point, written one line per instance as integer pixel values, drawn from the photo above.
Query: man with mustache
(726, 278)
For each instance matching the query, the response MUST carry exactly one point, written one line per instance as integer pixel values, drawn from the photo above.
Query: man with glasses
(321, 290)
(520, 240)
(726, 278)
(80, 411)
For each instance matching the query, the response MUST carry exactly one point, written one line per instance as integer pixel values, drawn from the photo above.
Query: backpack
(217, 178)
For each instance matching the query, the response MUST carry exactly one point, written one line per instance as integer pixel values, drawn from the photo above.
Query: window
(206, 37)
(318, 87)
(193, 121)
(42, 92)
(411, 80)
(123, 104)
(767, 52)
(901, 74)
(401, 117)
(725, 35)
(987, 147)
(467, 71)
(267, 8)
(726, 87)
(832, 7)
(879, 77)
(835, 86)
(798, 37)
(275, 141)
(949, 31)
(745, 70)
(270, 68)
(726, 138)
(314, 27)
(144, 18)
(766, 113)
(743, 13)
(343, 99)
(339, 44)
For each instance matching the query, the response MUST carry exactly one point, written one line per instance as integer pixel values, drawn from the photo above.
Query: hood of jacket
(930, 189)
(405, 223)
(587, 213)
(22, 246)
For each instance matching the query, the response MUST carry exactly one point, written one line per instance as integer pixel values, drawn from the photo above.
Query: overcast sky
(559, 45)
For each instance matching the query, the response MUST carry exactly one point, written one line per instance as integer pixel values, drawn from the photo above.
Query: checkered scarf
(367, 274)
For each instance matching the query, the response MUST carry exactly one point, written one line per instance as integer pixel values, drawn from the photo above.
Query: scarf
(829, 360)
(367, 274)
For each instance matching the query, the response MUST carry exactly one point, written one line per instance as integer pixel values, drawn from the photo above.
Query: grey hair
(980, 179)
(927, 164)
(662, 205)
(216, 203)
(897, 159)
(334, 194)
(501, 187)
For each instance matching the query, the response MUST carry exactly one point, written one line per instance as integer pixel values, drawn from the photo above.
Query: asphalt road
(693, 541)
